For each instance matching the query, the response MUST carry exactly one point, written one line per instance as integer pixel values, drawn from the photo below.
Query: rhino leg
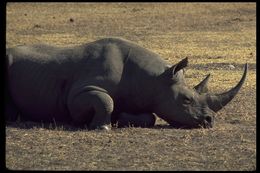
(93, 108)
(139, 120)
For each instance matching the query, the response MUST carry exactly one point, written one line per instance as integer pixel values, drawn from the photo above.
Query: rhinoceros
(106, 82)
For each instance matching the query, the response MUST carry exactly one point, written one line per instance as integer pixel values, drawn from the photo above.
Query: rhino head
(190, 108)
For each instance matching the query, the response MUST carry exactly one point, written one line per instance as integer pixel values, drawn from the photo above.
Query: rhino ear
(171, 73)
(202, 87)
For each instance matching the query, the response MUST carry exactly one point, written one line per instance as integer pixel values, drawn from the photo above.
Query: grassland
(212, 35)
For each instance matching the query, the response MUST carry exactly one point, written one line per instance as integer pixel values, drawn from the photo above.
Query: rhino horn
(218, 101)
(202, 86)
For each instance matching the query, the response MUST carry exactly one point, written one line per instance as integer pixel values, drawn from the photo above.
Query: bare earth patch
(213, 36)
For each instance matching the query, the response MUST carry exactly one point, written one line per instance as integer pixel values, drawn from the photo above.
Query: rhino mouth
(207, 123)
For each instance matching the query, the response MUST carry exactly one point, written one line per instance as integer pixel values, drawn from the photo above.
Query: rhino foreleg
(93, 108)
(138, 120)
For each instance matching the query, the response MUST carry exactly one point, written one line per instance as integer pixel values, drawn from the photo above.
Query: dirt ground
(213, 36)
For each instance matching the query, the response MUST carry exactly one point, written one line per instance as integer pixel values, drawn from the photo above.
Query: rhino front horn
(218, 101)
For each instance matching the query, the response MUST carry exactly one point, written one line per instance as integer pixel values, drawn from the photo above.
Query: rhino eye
(187, 100)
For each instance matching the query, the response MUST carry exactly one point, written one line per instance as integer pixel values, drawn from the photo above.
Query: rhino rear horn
(202, 87)
(218, 101)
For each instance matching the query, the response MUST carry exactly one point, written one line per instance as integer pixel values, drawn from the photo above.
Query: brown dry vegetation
(212, 35)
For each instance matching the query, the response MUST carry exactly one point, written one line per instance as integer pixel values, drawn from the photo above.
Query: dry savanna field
(213, 36)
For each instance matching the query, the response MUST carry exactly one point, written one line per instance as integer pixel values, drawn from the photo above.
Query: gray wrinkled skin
(108, 80)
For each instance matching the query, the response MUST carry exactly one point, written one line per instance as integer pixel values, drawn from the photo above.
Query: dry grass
(212, 35)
